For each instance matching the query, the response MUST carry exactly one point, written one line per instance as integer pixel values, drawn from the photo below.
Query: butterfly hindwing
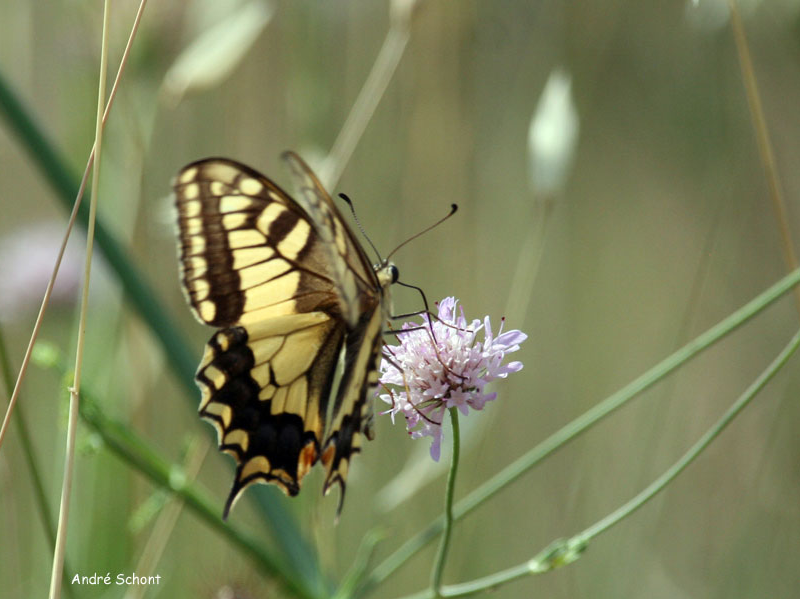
(291, 287)
(352, 411)
(362, 291)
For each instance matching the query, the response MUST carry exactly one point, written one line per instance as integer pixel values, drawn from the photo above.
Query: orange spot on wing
(328, 454)
(308, 457)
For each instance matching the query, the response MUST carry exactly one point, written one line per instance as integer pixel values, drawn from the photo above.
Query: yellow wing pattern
(290, 287)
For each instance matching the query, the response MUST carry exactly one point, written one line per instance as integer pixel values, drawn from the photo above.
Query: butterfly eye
(395, 273)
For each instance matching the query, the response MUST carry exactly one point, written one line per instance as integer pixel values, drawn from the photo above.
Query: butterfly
(290, 288)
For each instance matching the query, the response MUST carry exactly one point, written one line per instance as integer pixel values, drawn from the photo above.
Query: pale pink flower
(426, 377)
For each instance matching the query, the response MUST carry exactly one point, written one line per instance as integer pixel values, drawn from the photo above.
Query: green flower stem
(360, 563)
(493, 581)
(565, 551)
(180, 358)
(663, 480)
(137, 453)
(480, 585)
(524, 463)
(441, 557)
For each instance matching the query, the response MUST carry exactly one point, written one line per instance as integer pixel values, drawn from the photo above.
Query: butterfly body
(290, 288)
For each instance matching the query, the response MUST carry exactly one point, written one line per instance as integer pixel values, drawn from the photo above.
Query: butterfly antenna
(360, 228)
(453, 209)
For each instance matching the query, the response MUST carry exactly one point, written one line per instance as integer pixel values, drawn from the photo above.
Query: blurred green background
(662, 228)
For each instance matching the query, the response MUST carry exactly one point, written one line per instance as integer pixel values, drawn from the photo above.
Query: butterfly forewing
(352, 273)
(364, 300)
(290, 286)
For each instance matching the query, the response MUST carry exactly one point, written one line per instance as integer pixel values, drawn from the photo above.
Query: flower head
(442, 365)
(26, 264)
